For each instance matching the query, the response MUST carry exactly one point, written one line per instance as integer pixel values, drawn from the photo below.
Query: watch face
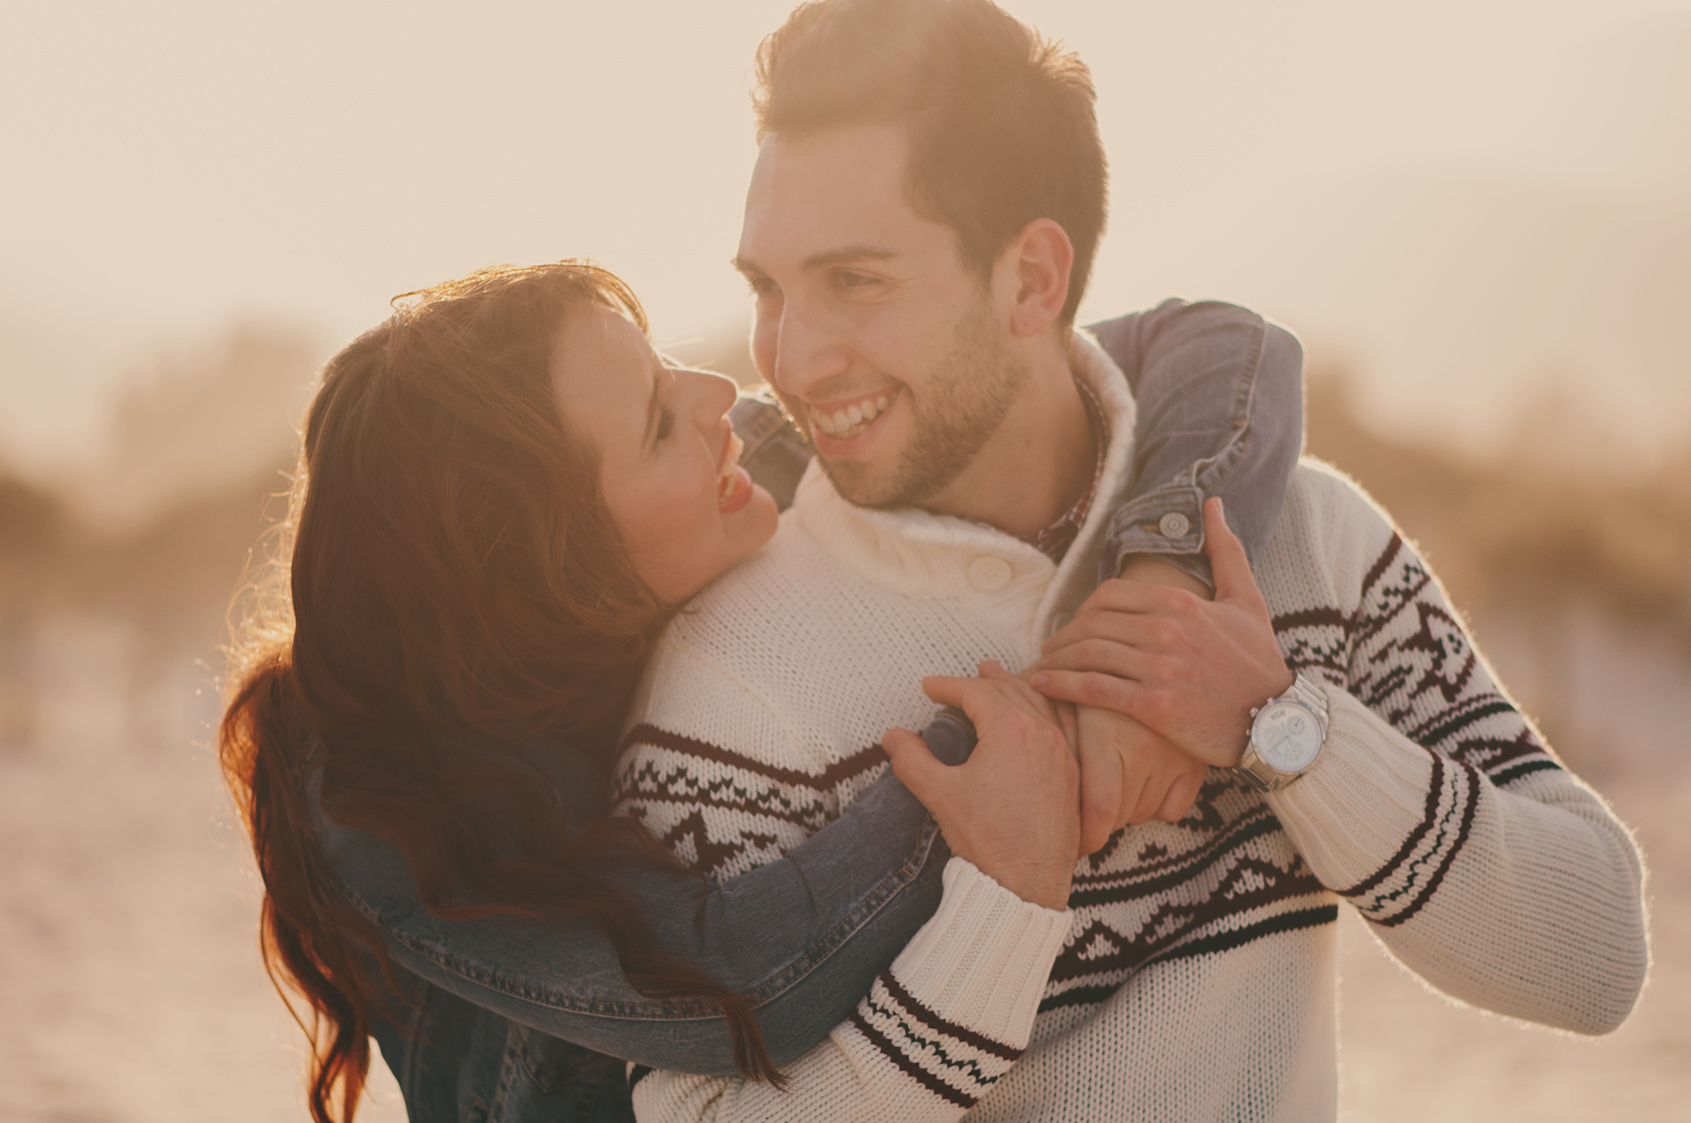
(1287, 736)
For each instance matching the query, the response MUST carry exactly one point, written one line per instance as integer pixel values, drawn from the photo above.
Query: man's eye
(761, 286)
(666, 424)
(854, 280)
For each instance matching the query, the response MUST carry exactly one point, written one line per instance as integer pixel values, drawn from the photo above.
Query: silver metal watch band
(1258, 773)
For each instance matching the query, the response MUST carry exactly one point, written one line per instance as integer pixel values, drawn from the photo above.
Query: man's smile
(846, 419)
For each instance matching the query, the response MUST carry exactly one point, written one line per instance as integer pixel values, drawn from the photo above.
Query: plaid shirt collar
(1054, 541)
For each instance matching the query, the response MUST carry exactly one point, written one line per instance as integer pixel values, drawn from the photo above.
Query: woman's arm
(1220, 412)
(802, 937)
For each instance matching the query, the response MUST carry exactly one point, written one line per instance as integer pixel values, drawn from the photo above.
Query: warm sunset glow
(1476, 214)
(1371, 175)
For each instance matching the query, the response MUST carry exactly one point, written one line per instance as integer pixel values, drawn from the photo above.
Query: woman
(421, 721)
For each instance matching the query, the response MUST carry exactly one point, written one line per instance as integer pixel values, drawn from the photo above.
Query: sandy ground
(130, 988)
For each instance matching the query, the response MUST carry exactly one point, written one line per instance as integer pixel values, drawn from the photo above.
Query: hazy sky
(175, 165)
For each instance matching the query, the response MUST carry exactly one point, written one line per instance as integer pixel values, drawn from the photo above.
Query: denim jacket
(507, 1019)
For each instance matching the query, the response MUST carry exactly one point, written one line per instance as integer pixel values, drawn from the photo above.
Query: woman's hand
(1190, 670)
(1013, 809)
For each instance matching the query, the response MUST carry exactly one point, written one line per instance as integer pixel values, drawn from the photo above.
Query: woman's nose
(711, 395)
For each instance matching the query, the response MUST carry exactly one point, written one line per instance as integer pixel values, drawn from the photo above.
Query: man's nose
(808, 350)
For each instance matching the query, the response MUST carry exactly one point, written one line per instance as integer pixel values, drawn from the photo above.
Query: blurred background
(1476, 214)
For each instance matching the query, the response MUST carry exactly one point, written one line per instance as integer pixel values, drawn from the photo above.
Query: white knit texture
(970, 959)
(1196, 980)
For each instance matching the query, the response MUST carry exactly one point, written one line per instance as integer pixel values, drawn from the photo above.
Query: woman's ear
(1041, 256)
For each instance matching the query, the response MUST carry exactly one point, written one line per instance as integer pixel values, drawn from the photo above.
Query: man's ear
(1040, 256)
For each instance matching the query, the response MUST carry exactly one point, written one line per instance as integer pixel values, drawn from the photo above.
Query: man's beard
(963, 404)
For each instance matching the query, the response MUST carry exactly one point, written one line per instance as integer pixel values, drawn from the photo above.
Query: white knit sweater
(1193, 977)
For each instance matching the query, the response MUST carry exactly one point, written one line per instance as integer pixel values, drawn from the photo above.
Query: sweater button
(989, 574)
(1174, 525)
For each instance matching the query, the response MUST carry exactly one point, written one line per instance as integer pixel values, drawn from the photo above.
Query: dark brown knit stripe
(935, 1022)
(1457, 716)
(921, 1075)
(1216, 942)
(810, 821)
(1365, 630)
(1378, 569)
(1147, 878)
(1175, 922)
(836, 773)
(1450, 855)
(1311, 618)
(1428, 815)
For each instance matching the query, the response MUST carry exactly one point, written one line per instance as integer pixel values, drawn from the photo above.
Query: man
(918, 231)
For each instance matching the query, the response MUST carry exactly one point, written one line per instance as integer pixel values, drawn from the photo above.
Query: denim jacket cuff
(775, 454)
(1167, 523)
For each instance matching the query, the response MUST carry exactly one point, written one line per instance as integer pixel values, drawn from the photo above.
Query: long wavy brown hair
(447, 566)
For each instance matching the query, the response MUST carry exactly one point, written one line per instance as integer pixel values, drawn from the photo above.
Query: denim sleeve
(802, 937)
(775, 454)
(1220, 397)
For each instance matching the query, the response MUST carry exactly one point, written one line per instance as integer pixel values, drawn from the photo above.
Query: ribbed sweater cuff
(1351, 813)
(982, 961)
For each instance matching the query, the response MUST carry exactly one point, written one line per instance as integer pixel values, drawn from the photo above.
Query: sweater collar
(920, 553)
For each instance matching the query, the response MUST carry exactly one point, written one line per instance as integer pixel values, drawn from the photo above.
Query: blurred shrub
(32, 520)
(1523, 523)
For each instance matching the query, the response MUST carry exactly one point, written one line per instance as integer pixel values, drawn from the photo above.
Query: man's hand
(1013, 809)
(1128, 774)
(1188, 669)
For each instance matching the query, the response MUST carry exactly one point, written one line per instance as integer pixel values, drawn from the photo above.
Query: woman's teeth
(727, 477)
(843, 424)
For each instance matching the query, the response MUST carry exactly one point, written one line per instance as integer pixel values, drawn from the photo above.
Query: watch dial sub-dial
(1287, 736)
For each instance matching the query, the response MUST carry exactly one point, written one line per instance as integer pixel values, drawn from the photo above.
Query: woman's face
(668, 457)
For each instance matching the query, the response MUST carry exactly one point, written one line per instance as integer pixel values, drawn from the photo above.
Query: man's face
(883, 346)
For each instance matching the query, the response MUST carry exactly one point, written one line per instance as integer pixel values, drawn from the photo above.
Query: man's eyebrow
(847, 255)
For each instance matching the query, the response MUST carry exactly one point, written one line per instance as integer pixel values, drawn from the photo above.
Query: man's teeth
(852, 420)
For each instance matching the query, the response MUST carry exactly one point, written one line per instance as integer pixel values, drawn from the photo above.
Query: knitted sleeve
(939, 1026)
(1437, 809)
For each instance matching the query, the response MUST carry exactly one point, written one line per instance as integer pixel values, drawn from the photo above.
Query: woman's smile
(669, 466)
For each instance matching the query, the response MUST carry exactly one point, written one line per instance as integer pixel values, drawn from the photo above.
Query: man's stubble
(961, 407)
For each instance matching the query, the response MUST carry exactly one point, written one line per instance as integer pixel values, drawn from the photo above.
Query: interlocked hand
(1190, 670)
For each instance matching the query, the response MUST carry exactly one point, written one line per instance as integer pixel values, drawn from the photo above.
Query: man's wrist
(1287, 735)
(1153, 569)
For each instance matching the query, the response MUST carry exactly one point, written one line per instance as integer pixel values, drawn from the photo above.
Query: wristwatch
(1287, 734)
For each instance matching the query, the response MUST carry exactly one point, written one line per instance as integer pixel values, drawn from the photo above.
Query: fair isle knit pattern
(951, 1061)
(1196, 979)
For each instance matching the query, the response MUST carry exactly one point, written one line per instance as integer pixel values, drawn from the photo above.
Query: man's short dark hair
(1001, 121)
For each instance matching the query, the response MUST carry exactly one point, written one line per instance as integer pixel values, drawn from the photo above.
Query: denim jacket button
(1174, 525)
(989, 574)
